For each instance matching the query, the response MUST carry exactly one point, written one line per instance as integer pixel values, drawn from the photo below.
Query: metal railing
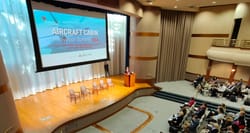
(231, 43)
(245, 44)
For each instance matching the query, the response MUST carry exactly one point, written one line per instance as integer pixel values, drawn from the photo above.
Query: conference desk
(129, 79)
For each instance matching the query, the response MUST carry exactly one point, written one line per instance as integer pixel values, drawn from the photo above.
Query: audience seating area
(215, 87)
(216, 118)
(194, 122)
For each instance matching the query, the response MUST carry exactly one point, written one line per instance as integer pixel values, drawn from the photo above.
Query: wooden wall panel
(211, 35)
(109, 3)
(146, 34)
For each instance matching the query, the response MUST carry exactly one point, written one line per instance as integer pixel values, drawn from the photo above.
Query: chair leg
(75, 99)
(71, 99)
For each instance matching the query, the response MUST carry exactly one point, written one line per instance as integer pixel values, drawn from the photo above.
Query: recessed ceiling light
(214, 2)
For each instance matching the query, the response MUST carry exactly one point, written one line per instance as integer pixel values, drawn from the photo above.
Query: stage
(52, 110)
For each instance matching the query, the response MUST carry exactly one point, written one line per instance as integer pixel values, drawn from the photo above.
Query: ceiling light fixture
(214, 2)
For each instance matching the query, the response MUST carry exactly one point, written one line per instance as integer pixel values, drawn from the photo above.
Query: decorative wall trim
(245, 48)
(210, 35)
(150, 118)
(93, 3)
(101, 128)
(3, 88)
(143, 58)
(228, 47)
(198, 56)
(148, 34)
(137, 129)
(109, 3)
(195, 74)
(152, 80)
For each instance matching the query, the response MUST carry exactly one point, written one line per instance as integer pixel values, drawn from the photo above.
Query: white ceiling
(187, 5)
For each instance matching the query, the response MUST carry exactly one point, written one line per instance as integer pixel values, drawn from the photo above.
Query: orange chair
(95, 87)
(74, 95)
(102, 84)
(84, 91)
(109, 82)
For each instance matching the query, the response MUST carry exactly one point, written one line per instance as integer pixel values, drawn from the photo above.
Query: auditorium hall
(120, 66)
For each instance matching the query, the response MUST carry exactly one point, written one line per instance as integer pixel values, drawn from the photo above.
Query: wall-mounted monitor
(67, 35)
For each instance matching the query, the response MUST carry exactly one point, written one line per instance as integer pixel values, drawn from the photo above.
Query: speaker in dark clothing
(106, 69)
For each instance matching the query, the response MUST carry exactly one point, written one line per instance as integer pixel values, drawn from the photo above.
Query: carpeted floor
(128, 119)
(150, 114)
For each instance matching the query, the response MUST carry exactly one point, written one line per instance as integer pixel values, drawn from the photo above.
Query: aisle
(129, 119)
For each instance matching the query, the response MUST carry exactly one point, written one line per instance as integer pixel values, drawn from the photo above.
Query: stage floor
(43, 112)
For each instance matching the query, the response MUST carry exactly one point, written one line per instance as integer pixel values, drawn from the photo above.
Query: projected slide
(66, 38)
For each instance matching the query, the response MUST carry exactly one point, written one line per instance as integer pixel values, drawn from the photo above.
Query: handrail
(245, 44)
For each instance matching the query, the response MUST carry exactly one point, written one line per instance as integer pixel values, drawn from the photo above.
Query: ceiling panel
(187, 5)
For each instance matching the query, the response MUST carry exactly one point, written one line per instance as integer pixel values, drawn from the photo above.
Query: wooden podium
(129, 79)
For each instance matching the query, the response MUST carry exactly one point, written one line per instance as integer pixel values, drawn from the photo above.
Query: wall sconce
(233, 70)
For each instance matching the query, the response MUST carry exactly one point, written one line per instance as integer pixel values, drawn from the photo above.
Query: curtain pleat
(175, 36)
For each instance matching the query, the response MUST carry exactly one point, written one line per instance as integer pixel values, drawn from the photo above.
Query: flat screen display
(66, 37)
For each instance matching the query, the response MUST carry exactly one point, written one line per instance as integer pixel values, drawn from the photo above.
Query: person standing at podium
(129, 78)
(127, 71)
(106, 69)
